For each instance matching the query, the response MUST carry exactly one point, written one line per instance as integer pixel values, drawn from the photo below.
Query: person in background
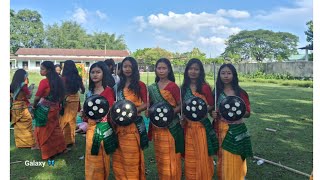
(21, 117)
(58, 69)
(70, 105)
(46, 109)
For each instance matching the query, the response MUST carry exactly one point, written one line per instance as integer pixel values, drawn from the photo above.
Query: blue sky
(178, 25)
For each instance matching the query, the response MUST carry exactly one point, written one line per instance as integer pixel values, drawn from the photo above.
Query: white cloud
(80, 15)
(233, 13)
(141, 23)
(189, 22)
(300, 14)
(101, 15)
(225, 31)
(211, 40)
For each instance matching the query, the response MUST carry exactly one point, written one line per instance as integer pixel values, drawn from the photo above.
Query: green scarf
(237, 139)
(174, 127)
(144, 141)
(41, 113)
(104, 131)
(212, 140)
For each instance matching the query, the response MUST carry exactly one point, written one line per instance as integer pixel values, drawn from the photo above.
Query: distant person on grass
(46, 112)
(233, 135)
(71, 104)
(21, 117)
(112, 68)
(58, 69)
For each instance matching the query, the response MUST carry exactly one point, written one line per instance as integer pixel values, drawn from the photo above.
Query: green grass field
(286, 109)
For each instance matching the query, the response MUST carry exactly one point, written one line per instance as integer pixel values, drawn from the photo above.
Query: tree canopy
(261, 44)
(26, 30)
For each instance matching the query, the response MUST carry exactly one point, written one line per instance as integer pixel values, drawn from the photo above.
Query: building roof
(71, 52)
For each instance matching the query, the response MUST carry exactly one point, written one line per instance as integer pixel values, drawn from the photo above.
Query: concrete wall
(295, 69)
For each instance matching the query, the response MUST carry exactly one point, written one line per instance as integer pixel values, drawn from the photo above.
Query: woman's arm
(36, 101)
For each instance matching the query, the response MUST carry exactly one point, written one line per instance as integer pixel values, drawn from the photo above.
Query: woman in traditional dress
(168, 141)
(70, 105)
(97, 158)
(234, 139)
(201, 142)
(128, 160)
(46, 107)
(21, 118)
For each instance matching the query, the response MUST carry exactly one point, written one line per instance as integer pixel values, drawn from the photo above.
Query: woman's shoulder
(172, 84)
(243, 92)
(142, 84)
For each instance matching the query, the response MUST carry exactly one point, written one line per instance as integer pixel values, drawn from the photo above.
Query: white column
(55, 62)
(29, 64)
(306, 54)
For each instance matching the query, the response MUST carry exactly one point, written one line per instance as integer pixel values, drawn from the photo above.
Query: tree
(69, 35)
(104, 40)
(261, 44)
(309, 32)
(151, 55)
(26, 29)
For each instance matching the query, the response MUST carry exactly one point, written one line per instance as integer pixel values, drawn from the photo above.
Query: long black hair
(72, 77)
(135, 77)
(55, 82)
(170, 74)
(107, 79)
(234, 82)
(18, 78)
(201, 79)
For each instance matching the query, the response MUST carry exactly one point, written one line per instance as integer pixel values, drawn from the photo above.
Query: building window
(10, 65)
(25, 64)
(37, 63)
(87, 64)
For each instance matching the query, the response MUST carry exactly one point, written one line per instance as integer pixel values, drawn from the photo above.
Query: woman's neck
(228, 86)
(193, 81)
(163, 80)
(98, 85)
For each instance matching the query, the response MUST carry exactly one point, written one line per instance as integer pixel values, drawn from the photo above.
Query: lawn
(286, 109)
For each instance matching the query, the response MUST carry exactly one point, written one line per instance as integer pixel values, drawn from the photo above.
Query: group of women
(194, 141)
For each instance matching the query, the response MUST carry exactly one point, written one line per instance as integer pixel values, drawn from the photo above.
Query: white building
(31, 58)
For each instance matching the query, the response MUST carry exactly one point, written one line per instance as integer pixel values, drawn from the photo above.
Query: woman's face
(96, 74)
(226, 75)
(127, 68)
(43, 71)
(194, 71)
(162, 70)
(58, 70)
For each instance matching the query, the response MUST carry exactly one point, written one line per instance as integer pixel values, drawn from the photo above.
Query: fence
(296, 69)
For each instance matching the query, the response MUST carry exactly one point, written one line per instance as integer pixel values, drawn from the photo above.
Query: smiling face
(162, 70)
(127, 68)
(96, 74)
(194, 71)
(226, 75)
